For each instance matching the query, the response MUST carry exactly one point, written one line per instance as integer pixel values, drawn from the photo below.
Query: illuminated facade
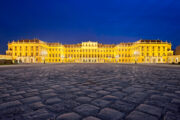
(174, 59)
(5, 57)
(142, 51)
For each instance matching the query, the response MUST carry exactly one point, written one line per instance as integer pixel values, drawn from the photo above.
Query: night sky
(74, 21)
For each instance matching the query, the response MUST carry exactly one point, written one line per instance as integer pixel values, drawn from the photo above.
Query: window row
(89, 50)
(25, 48)
(26, 54)
(153, 48)
(153, 54)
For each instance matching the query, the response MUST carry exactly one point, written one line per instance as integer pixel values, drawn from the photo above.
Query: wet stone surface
(90, 92)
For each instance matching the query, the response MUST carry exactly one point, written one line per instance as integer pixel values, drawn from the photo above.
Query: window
(142, 48)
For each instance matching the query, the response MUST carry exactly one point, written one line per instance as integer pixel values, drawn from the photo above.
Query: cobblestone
(110, 114)
(100, 103)
(9, 104)
(90, 92)
(38, 114)
(69, 116)
(87, 109)
(31, 99)
(37, 105)
(176, 101)
(110, 98)
(83, 99)
(123, 106)
(52, 100)
(150, 109)
(136, 115)
(91, 118)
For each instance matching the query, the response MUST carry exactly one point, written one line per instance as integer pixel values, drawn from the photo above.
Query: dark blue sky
(105, 21)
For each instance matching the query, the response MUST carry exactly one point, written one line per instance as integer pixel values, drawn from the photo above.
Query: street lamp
(44, 53)
(136, 53)
(109, 59)
(70, 59)
(117, 57)
(62, 56)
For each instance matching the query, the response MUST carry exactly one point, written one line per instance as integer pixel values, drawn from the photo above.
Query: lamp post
(136, 53)
(62, 56)
(70, 59)
(44, 53)
(117, 57)
(109, 59)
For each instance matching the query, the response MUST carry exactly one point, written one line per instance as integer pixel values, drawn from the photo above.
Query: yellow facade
(174, 59)
(142, 51)
(5, 57)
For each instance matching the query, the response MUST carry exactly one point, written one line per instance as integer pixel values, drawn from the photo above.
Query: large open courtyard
(90, 92)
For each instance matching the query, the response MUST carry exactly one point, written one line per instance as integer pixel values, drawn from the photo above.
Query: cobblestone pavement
(90, 92)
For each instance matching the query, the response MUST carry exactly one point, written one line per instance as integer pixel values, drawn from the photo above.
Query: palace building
(37, 51)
